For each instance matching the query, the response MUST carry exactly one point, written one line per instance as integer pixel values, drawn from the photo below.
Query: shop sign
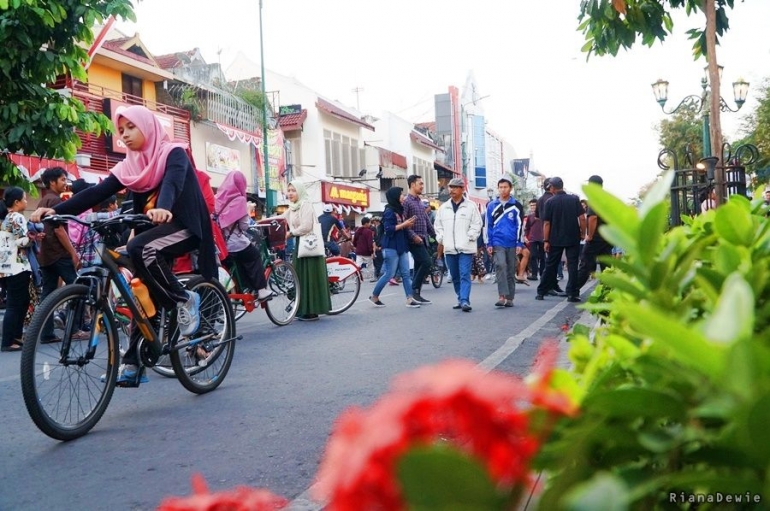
(335, 193)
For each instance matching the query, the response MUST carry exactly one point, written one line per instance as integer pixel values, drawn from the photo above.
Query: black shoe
(539, 297)
(552, 293)
(500, 303)
(531, 277)
(558, 289)
(466, 307)
(457, 307)
(419, 299)
(574, 299)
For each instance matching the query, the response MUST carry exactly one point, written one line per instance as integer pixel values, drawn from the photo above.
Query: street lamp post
(700, 104)
(265, 159)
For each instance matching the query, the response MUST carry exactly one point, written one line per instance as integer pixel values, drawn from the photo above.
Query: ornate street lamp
(700, 104)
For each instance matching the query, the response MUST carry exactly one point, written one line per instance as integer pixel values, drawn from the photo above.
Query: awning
(393, 165)
(32, 167)
(444, 172)
(424, 141)
(332, 109)
(292, 122)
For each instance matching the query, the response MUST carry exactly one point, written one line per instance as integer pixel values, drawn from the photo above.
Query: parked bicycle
(344, 283)
(68, 384)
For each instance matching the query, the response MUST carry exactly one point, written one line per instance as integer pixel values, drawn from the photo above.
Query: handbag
(311, 244)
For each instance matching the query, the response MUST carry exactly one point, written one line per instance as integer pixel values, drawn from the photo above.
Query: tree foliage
(42, 40)
(681, 131)
(610, 25)
(756, 127)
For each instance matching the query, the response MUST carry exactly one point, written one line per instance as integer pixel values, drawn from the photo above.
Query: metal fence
(695, 186)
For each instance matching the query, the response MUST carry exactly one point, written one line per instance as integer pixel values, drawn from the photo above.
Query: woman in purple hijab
(233, 213)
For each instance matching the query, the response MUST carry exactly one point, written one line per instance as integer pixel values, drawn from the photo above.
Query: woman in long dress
(314, 298)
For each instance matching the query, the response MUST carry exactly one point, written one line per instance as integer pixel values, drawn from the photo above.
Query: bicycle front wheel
(214, 353)
(344, 293)
(282, 281)
(68, 377)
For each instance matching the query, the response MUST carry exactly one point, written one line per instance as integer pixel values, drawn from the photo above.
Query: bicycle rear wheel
(344, 293)
(282, 281)
(67, 385)
(436, 277)
(214, 354)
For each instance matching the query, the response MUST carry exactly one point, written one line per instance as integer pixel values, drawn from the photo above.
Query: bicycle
(67, 384)
(344, 283)
(281, 278)
(436, 272)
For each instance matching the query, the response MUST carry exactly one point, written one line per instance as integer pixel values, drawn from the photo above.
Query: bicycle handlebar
(131, 220)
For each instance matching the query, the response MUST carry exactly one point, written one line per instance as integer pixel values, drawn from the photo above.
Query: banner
(221, 159)
(276, 159)
(520, 167)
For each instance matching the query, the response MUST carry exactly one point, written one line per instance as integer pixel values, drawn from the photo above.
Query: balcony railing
(230, 111)
(97, 92)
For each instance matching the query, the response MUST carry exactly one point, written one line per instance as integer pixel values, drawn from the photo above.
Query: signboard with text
(290, 109)
(336, 193)
(114, 143)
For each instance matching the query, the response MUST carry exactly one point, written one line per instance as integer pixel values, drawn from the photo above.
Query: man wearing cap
(564, 225)
(595, 245)
(328, 223)
(458, 225)
(504, 229)
(418, 235)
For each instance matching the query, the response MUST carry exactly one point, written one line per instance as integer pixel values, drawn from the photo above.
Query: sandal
(521, 281)
(12, 347)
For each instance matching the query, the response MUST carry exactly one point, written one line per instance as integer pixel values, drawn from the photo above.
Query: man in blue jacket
(504, 230)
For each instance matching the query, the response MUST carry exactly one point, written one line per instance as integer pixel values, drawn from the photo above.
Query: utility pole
(265, 159)
(358, 90)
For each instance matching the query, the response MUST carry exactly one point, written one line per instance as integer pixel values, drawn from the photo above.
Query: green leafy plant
(41, 41)
(675, 384)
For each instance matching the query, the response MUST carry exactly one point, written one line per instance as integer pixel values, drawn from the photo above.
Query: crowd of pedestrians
(399, 247)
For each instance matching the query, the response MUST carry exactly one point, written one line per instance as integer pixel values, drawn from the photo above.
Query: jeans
(64, 269)
(553, 262)
(16, 305)
(394, 262)
(460, 269)
(421, 265)
(505, 262)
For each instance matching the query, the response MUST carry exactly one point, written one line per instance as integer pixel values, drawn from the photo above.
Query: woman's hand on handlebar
(160, 216)
(39, 213)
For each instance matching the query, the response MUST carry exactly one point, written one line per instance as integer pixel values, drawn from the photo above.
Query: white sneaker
(188, 315)
(265, 294)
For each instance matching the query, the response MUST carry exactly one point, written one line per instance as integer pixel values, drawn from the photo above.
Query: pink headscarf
(231, 199)
(143, 170)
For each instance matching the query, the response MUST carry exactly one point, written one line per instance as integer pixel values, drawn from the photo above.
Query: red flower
(238, 499)
(483, 415)
(540, 382)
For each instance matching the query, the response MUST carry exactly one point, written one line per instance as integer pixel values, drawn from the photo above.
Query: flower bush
(444, 436)
(675, 384)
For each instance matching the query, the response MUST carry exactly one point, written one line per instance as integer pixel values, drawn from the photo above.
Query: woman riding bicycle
(232, 210)
(166, 189)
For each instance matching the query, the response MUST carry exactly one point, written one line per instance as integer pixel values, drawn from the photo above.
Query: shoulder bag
(311, 244)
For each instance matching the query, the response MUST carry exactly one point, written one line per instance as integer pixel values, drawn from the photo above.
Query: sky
(574, 117)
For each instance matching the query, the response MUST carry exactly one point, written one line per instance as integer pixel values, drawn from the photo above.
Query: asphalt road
(267, 424)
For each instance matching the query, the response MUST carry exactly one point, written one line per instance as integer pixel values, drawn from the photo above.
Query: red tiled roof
(169, 61)
(430, 125)
(115, 45)
(423, 140)
(332, 109)
(172, 60)
(292, 122)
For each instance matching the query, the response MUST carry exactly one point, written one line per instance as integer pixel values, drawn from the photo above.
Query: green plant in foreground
(675, 383)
